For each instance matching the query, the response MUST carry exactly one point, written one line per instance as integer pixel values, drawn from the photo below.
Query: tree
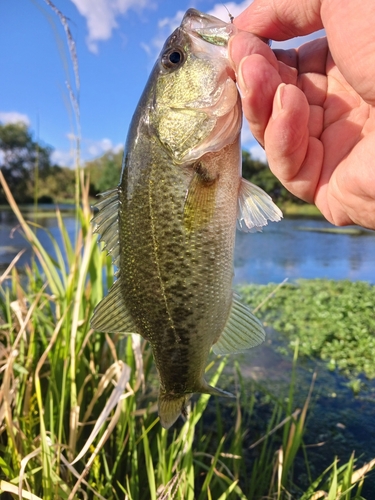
(259, 173)
(104, 172)
(20, 158)
(58, 185)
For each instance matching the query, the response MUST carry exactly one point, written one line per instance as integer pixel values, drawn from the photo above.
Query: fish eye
(173, 58)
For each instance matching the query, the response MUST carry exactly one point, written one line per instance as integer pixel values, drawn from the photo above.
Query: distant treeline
(27, 167)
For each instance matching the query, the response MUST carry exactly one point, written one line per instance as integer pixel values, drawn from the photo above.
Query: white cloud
(166, 27)
(232, 8)
(89, 149)
(258, 152)
(293, 43)
(101, 17)
(118, 147)
(97, 148)
(14, 117)
(62, 158)
(171, 23)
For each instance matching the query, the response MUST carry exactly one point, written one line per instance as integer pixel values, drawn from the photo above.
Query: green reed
(66, 388)
(78, 415)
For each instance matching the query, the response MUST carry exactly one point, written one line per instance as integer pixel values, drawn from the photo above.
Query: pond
(293, 248)
(303, 248)
(12, 239)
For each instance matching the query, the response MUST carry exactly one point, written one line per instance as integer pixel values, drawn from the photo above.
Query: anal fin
(242, 331)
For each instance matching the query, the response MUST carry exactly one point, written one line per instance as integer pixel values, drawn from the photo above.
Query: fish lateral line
(170, 224)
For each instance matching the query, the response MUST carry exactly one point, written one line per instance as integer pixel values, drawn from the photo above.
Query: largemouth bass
(170, 224)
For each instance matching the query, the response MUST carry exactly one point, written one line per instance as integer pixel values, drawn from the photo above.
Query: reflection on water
(12, 239)
(337, 420)
(281, 251)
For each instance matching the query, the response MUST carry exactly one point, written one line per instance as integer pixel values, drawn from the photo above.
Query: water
(294, 248)
(288, 250)
(337, 419)
(283, 250)
(12, 239)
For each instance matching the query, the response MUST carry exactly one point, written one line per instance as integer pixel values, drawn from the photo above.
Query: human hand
(313, 108)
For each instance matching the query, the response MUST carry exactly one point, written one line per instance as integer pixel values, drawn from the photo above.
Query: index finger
(281, 20)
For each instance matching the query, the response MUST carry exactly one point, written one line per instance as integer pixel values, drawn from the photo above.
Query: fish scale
(174, 216)
(163, 284)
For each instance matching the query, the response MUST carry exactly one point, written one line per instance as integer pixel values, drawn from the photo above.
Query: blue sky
(117, 43)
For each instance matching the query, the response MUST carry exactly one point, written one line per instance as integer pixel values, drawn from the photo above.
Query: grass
(353, 231)
(300, 210)
(332, 320)
(77, 408)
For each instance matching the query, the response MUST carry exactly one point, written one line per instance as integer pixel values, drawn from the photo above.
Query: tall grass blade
(118, 394)
(11, 488)
(332, 494)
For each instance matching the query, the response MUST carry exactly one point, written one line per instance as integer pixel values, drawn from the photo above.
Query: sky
(117, 43)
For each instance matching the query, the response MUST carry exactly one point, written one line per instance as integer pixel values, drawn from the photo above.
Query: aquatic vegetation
(58, 378)
(332, 320)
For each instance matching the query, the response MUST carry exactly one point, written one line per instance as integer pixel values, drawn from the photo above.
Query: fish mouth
(209, 38)
(216, 33)
(203, 42)
(210, 28)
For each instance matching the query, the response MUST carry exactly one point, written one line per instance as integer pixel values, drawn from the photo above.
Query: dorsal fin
(242, 331)
(111, 314)
(106, 223)
(255, 208)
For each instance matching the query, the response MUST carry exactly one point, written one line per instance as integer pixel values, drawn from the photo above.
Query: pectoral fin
(111, 315)
(200, 200)
(255, 208)
(242, 331)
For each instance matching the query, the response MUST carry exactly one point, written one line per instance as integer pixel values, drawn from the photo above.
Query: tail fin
(170, 408)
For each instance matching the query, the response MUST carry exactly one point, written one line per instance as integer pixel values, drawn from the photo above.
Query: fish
(170, 223)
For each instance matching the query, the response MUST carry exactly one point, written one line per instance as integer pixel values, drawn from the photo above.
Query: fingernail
(233, 63)
(278, 101)
(240, 79)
